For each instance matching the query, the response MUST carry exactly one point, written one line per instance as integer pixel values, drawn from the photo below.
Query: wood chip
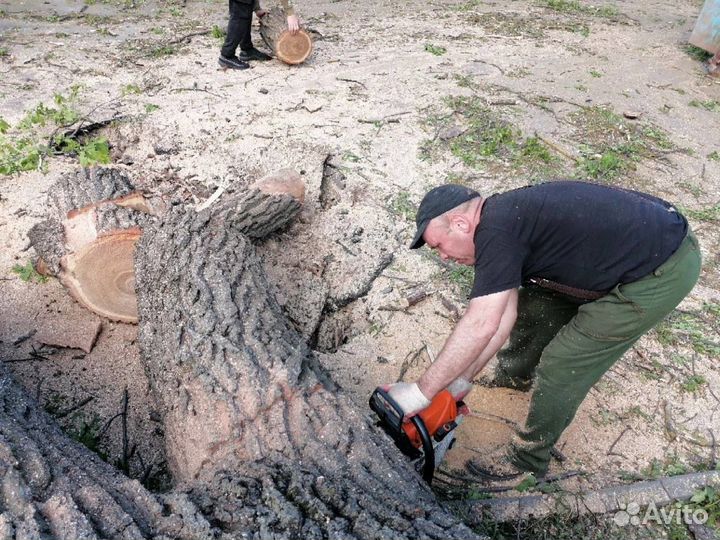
(71, 331)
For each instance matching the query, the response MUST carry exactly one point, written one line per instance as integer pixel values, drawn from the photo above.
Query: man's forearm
(498, 340)
(468, 340)
(479, 334)
(491, 350)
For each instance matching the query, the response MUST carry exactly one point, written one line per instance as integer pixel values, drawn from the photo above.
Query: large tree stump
(89, 239)
(97, 216)
(260, 442)
(290, 48)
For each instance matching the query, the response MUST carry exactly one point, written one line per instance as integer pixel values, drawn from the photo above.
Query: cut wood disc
(293, 48)
(102, 276)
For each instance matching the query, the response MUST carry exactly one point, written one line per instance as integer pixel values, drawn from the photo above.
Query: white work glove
(459, 388)
(409, 397)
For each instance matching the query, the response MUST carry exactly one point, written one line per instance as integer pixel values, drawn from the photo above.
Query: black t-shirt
(583, 235)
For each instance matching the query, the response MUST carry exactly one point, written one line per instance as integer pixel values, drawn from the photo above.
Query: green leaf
(528, 483)
(699, 496)
(28, 273)
(94, 152)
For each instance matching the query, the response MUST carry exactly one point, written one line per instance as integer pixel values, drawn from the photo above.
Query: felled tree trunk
(290, 48)
(88, 241)
(256, 435)
(52, 487)
(260, 442)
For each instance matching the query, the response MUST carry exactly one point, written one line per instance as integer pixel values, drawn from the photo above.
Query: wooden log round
(101, 276)
(290, 48)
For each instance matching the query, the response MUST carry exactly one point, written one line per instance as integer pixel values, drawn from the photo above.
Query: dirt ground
(391, 92)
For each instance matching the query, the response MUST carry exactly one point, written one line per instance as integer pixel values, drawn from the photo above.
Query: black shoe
(254, 54)
(232, 62)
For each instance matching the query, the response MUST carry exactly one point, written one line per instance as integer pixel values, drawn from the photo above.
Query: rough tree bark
(290, 48)
(261, 443)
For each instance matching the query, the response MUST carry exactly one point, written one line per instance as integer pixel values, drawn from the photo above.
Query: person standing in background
(238, 33)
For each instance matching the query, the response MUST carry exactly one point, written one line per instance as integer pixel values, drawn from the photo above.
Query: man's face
(453, 241)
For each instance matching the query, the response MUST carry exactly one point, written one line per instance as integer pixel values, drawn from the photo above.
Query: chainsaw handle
(428, 448)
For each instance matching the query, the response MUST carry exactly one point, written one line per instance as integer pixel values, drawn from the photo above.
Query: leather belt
(575, 292)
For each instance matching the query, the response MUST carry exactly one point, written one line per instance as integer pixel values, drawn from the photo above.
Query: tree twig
(126, 457)
(409, 359)
(78, 405)
(611, 450)
(186, 37)
(351, 81)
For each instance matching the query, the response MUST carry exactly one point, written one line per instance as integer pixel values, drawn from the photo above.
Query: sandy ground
(367, 96)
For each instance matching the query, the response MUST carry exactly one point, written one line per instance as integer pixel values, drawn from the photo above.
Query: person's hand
(459, 388)
(409, 397)
(293, 23)
(260, 13)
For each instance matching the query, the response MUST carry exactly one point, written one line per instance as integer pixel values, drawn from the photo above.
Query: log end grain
(284, 181)
(101, 276)
(293, 48)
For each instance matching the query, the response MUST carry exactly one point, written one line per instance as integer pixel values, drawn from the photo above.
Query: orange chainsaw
(428, 435)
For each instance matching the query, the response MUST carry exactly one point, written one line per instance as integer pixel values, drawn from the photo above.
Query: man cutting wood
(573, 273)
(238, 33)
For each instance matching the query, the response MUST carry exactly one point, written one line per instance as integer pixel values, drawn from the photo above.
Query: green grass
(671, 466)
(129, 89)
(595, 74)
(573, 6)
(463, 277)
(351, 156)
(402, 206)
(696, 53)
(709, 105)
(613, 145)
(28, 273)
(150, 107)
(485, 139)
(162, 50)
(4, 51)
(437, 50)
(709, 214)
(708, 499)
(714, 155)
(693, 384)
(217, 32)
(694, 329)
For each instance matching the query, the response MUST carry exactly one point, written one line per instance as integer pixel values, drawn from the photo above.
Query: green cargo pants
(568, 347)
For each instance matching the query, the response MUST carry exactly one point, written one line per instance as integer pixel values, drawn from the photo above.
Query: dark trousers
(567, 348)
(238, 30)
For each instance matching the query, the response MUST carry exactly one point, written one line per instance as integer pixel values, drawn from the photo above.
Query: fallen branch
(186, 37)
(351, 81)
(670, 429)
(65, 412)
(195, 89)
(611, 451)
(408, 361)
(125, 466)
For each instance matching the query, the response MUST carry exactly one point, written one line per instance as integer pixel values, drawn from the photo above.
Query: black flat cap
(436, 202)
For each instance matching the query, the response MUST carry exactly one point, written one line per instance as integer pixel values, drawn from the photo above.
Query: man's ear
(460, 223)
